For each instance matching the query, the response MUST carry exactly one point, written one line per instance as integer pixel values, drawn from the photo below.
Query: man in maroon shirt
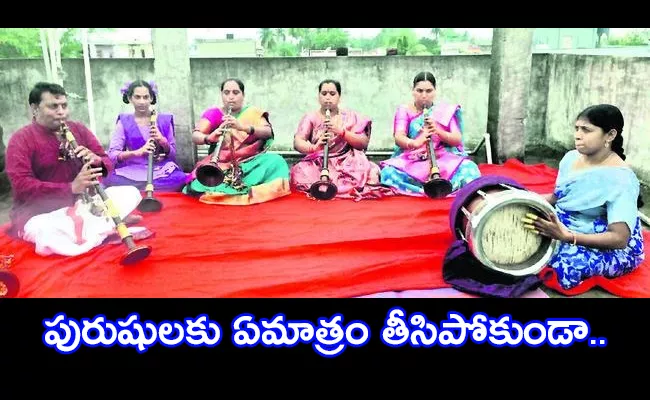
(47, 207)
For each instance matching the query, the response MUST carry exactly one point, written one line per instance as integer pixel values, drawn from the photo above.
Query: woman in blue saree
(596, 198)
(409, 167)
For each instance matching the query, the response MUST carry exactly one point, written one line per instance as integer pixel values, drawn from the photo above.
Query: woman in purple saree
(129, 148)
(409, 167)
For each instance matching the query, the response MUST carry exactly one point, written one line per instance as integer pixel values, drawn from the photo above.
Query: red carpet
(291, 247)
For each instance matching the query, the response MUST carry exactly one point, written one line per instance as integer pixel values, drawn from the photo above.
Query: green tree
(436, 33)
(418, 50)
(401, 38)
(362, 43)
(635, 38)
(329, 38)
(268, 38)
(303, 36)
(432, 45)
(20, 43)
(285, 49)
(450, 35)
(600, 32)
(319, 38)
(26, 42)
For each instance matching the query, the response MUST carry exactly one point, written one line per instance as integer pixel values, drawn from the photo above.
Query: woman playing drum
(596, 198)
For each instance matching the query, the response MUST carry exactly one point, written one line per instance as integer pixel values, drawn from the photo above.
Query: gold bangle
(575, 238)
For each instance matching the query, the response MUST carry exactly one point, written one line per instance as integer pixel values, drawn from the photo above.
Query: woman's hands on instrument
(552, 228)
(155, 134)
(431, 125)
(422, 138)
(160, 157)
(214, 135)
(334, 127)
(429, 122)
(86, 178)
(149, 147)
(325, 137)
(229, 120)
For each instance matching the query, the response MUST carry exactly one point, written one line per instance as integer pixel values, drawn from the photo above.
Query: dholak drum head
(498, 238)
(468, 192)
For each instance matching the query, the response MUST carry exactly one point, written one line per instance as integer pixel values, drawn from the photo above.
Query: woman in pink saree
(409, 167)
(348, 134)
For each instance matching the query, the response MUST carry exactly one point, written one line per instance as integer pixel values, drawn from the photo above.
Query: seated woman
(134, 138)
(596, 198)
(348, 134)
(409, 167)
(252, 175)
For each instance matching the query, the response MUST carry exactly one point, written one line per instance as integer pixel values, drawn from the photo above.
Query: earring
(606, 144)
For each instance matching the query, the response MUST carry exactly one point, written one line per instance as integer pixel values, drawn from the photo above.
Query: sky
(252, 33)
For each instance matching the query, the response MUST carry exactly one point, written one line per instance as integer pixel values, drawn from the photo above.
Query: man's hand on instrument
(85, 178)
(552, 228)
(87, 155)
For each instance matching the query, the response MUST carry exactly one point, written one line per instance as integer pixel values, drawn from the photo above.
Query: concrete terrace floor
(552, 161)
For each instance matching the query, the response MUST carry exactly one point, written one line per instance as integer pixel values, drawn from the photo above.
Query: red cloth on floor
(289, 247)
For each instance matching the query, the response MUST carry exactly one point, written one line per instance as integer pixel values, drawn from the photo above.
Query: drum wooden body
(487, 214)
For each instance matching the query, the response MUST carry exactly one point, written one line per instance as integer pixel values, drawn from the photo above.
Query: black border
(623, 323)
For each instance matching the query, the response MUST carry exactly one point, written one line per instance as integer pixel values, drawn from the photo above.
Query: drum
(9, 284)
(487, 214)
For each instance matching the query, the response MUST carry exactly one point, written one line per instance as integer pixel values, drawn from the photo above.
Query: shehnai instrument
(436, 187)
(210, 174)
(134, 253)
(324, 189)
(149, 203)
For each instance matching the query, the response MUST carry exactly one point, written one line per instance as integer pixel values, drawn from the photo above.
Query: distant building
(466, 47)
(329, 52)
(111, 45)
(564, 38)
(226, 48)
(352, 52)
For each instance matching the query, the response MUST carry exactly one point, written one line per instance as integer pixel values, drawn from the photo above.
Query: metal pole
(89, 83)
(55, 75)
(46, 55)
